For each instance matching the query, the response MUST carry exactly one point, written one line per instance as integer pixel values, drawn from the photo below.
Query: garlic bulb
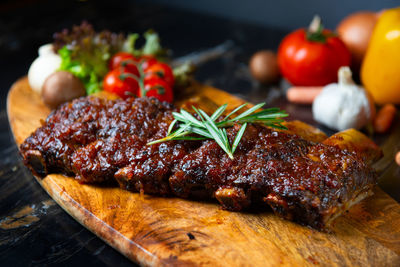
(343, 105)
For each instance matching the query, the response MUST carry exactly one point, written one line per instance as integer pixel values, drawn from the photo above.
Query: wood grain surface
(157, 231)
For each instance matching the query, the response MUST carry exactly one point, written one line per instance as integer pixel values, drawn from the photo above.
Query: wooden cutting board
(157, 231)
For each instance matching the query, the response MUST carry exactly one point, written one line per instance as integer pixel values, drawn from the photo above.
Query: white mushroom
(44, 65)
(46, 49)
(343, 105)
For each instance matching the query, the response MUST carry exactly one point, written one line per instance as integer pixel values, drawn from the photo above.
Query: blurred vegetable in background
(85, 53)
(397, 158)
(264, 67)
(380, 68)
(81, 61)
(355, 31)
(42, 67)
(139, 76)
(384, 118)
(303, 94)
(343, 105)
(60, 87)
(312, 57)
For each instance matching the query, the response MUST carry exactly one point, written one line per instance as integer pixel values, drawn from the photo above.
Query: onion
(355, 31)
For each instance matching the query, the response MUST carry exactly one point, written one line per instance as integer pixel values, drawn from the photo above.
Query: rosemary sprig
(211, 127)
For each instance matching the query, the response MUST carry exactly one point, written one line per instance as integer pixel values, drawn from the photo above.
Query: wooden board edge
(9, 111)
(109, 235)
(129, 249)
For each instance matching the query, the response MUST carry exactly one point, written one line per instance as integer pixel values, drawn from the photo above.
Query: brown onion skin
(355, 31)
(264, 66)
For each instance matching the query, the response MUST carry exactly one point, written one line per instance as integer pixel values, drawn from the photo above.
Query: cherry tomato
(146, 61)
(116, 60)
(163, 71)
(121, 83)
(129, 66)
(156, 87)
(126, 61)
(157, 77)
(306, 62)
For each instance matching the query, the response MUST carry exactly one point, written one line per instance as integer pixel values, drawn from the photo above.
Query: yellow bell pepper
(380, 71)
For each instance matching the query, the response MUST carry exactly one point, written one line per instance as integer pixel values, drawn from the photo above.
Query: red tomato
(126, 61)
(129, 67)
(146, 61)
(304, 62)
(156, 87)
(121, 83)
(163, 71)
(116, 60)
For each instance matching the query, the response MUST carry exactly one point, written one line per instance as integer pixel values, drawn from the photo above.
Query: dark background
(285, 14)
(27, 24)
(56, 239)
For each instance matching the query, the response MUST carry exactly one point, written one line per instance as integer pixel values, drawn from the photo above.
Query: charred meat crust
(101, 140)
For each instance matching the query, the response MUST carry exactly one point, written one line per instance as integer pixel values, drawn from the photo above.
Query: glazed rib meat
(99, 141)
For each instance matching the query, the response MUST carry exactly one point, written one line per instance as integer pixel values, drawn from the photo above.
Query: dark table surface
(34, 230)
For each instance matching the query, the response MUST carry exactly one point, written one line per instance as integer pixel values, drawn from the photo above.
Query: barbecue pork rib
(302, 175)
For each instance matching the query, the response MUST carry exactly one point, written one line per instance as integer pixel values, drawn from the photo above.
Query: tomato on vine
(126, 61)
(139, 76)
(122, 83)
(119, 57)
(146, 61)
(163, 71)
(156, 87)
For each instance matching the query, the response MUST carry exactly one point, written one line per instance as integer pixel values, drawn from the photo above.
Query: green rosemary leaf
(279, 126)
(209, 120)
(217, 137)
(201, 132)
(235, 110)
(190, 138)
(181, 130)
(248, 112)
(165, 139)
(208, 128)
(198, 113)
(238, 137)
(218, 112)
(265, 115)
(266, 112)
(273, 113)
(171, 126)
(190, 118)
(224, 136)
(221, 132)
(162, 140)
(217, 133)
(179, 116)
